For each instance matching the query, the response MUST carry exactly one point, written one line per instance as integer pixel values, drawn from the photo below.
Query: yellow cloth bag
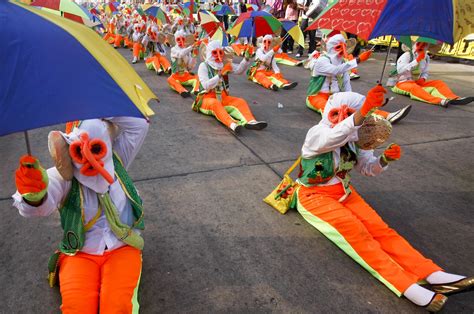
(282, 196)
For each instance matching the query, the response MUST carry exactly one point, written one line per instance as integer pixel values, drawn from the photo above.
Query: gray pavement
(212, 245)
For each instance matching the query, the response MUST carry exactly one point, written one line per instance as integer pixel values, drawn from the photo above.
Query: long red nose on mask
(89, 154)
(341, 50)
(218, 55)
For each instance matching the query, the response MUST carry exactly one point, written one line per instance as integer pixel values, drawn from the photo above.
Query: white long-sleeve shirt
(184, 54)
(405, 66)
(209, 83)
(99, 237)
(267, 59)
(321, 138)
(323, 66)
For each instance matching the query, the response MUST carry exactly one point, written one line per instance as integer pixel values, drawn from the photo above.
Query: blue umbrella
(71, 74)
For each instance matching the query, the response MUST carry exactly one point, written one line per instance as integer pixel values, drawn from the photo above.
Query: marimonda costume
(99, 259)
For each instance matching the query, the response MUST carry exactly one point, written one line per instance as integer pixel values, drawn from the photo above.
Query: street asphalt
(213, 246)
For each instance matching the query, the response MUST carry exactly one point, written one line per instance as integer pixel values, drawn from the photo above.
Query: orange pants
(283, 58)
(108, 36)
(176, 81)
(100, 283)
(318, 103)
(137, 50)
(362, 234)
(230, 110)
(267, 78)
(432, 92)
(239, 49)
(118, 41)
(158, 62)
(127, 43)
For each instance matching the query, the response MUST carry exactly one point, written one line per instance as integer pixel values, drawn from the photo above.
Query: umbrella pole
(27, 140)
(386, 58)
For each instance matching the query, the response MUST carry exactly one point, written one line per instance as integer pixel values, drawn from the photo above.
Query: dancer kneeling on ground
(265, 71)
(214, 97)
(329, 203)
(99, 260)
(330, 74)
(182, 62)
(416, 63)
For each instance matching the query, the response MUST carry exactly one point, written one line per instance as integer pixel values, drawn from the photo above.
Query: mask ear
(59, 151)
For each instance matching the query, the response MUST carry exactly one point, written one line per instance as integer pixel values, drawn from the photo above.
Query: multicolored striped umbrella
(68, 8)
(72, 74)
(223, 9)
(159, 14)
(209, 23)
(293, 30)
(447, 21)
(110, 9)
(255, 24)
(251, 7)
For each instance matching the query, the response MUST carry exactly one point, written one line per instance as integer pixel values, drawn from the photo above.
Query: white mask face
(91, 153)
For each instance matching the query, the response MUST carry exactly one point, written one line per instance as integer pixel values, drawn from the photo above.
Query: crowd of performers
(99, 259)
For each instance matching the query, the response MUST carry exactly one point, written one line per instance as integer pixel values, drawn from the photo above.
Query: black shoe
(398, 115)
(454, 287)
(274, 87)
(290, 85)
(185, 94)
(256, 125)
(237, 129)
(437, 303)
(460, 101)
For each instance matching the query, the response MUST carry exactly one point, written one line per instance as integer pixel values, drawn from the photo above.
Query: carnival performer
(184, 25)
(182, 63)
(265, 70)
(157, 51)
(214, 98)
(415, 63)
(329, 203)
(137, 38)
(120, 31)
(99, 259)
(110, 33)
(330, 74)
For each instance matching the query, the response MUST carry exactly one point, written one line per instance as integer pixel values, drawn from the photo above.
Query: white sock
(418, 295)
(440, 277)
(233, 126)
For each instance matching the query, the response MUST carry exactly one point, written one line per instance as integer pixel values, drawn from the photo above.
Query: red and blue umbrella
(71, 74)
(444, 20)
(255, 24)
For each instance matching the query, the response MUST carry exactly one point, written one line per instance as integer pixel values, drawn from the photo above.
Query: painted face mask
(341, 50)
(339, 114)
(218, 55)
(180, 42)
(89, 154)
(266, 44)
